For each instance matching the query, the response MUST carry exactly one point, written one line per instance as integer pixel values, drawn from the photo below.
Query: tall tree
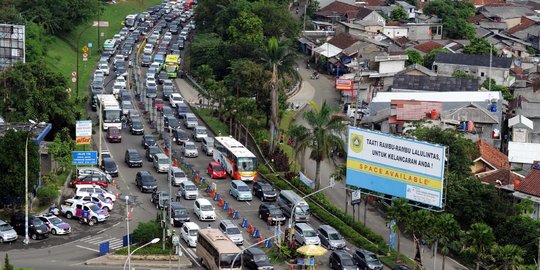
(507, 257)
(478, 240)
(324, 135)
(454, 14)
(246, 78)
(414, 57)
(399, 212)
(445, 231)
(246, 27)
(277, 58)
(399, 15)
(283, 23)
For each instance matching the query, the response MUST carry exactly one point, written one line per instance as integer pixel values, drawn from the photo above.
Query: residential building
(426, 47)
(529, 188)
(338, 11)
(489, 159)
(446, 64)
(410, 9)
(508, 14)
(411, 83)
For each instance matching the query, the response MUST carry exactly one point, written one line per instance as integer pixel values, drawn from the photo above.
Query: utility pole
(490, 62)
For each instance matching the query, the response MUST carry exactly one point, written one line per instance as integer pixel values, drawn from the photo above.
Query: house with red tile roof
(339, 11)
(529, 188)
(426, 47)
(489, 159)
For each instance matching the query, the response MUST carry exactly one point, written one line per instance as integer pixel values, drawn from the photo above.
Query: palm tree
(323, 136)
(280, 62)
(400, 212)
(507, 257)
(444, 231)
(296, 133)
(478, 240)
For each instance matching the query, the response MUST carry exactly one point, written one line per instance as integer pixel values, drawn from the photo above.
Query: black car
(180, 44)
(37, 229)
(162, 76)
(133, 158)
(180, 136)
(119, 70)
(342, 260)
(145, 181)
(148, 140)
(264, 191)
(255, 259)
(401, 267)
(367, 260)
(109, 166)
(272, 211)
(179, 213)
(136, 127)
(170, 121)
(150, 151)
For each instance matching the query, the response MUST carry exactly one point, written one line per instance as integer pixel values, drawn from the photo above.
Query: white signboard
(83, 128)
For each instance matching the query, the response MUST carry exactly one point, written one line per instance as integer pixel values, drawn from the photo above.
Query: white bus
(237, 160)
(111, 112)
(216, 251)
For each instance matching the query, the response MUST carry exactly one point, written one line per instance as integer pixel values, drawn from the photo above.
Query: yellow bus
(216, 251)
(171, 65)
(237, 160)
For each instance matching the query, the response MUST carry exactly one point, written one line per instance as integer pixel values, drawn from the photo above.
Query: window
(482, 74)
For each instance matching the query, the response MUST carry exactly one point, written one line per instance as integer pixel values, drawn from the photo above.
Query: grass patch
(213, 122)
(62, 51)
(390, 261)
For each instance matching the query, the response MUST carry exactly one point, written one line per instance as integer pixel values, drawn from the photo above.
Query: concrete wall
(498, 74)
(422, 31)
(396, 31)
(391, 66)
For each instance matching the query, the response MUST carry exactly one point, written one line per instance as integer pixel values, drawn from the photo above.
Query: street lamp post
(100, 125)
(34, 124)
(127, 225)
(256, 244)
(155, 240)
(292, 220)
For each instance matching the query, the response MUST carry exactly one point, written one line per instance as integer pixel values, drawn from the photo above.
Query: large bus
(216, 251)
(171, 65)
(237, 160)
(111, 112)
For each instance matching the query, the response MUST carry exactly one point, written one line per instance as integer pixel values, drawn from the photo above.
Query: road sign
(74, 79)
(100, 24)
(90, 45)
(356, 197)
(73, 74)
(84, 157)
(85, 49)
(85, 57)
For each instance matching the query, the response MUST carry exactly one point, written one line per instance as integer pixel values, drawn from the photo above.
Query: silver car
(190, 150)
(177, 176)
(188, 190)
(231, 230)
(330, 237)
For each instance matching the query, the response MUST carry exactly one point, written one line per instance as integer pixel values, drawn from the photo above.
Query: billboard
(396, 166)
(12, 47)
(83, 132)
(344, 85)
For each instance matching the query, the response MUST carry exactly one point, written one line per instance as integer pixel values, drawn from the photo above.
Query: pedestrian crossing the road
(114, 243)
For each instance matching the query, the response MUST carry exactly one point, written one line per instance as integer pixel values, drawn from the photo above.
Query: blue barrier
(125, 240)
(208, 189)
(203, 180)
(235, 215)
(216, 198)
(256, 233)
(103, 248)
(226, 206)
(244, 223)
(268, 243)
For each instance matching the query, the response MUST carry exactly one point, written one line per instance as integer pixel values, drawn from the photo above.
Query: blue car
(240, 191)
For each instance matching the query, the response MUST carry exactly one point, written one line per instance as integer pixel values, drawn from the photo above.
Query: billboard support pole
(365, 210)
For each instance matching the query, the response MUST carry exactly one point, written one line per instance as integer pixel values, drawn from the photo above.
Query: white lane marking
(101, 231)
(87, 248)
(248, 203)
(191, 255)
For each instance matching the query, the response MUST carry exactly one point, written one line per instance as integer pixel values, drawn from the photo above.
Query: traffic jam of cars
(157, 38)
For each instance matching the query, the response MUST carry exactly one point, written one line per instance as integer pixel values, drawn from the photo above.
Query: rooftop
(472, 60)
(526, 153)
(438, 84)
(531, 184)
(506, 11)
(338, 7)
(343, 40)
(461, 96)
(492, 155)
(419, 68)
(524, 24)
(428, 46)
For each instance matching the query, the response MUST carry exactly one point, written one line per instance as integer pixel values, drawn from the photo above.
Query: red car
(215, 170)
(158, 103)
(114, 135)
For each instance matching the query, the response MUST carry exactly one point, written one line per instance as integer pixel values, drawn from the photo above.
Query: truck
(74, 208)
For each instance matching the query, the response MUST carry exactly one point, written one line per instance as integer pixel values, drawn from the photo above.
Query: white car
(88, 190)
(189, 232)
(104, 67)
(148, 48)
(84, 171)
(55, 224)
(150, 80)
(176, 176)
(99, 200)
(204, 210)
(167, 36)
(117, 89)
(155, 66)
(118, 58)
(99, 73)
(121, 81)
(175, 98)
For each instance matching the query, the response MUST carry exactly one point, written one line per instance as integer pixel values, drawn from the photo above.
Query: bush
(155, 249)
(279, 157)
(146, 232)
(47, 195)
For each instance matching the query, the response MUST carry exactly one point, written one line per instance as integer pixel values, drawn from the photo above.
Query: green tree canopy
(479, 240)
(246, 27)
(414, 57)
(479, 46)
(399, 14)
(246, 78)
(430, 57)
(462, 74)
(454, 14)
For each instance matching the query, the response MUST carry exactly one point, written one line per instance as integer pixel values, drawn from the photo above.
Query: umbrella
(312, 250)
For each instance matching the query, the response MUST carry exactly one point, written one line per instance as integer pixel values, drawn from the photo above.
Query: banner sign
(344, 85)
(304, 179)
(83, 132)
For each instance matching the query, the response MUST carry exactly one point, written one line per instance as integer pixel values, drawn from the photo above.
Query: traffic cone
(250, 229)
(261, 239)
(128, 215)
(176, 164)
(117, 195)
(220, 203)
(113, 183)
(231, 212)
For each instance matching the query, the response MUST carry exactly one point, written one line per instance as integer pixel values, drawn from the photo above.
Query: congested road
(85, 240)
